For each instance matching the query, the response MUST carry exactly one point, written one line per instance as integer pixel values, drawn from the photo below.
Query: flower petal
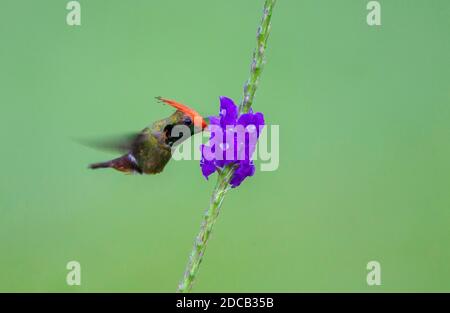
(245, 119)
(207, 167)
(258, 119)
(214, 120)
(244, 170)
(228, 112)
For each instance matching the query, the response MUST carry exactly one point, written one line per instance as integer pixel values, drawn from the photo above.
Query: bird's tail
(126, 163)
(106, 164)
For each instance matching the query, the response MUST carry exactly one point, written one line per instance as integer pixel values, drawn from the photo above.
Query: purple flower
(233, 141)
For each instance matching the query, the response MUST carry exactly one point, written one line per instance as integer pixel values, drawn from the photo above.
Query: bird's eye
(187, 121)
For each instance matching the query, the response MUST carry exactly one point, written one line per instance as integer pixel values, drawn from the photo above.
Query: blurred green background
(364, 150)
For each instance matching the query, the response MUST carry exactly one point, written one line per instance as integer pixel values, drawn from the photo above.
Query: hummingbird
(148, 151)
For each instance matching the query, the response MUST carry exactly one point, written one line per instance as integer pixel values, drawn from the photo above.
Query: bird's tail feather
(125, 163)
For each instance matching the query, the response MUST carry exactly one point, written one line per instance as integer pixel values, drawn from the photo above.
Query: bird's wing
(119, 143)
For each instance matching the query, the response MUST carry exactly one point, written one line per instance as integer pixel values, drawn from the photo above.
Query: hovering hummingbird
(149, 151)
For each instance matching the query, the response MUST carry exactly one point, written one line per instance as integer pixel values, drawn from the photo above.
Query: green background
(364, 145)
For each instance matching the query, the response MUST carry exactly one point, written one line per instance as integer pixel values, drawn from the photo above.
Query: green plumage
(149, 151)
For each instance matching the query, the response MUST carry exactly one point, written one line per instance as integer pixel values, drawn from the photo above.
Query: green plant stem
(209, 218)
(258, 60)
(224, 177)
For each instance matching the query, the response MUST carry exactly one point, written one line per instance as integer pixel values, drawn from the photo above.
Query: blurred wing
(120, 143)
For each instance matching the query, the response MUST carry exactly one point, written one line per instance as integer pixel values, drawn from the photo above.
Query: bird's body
(149, 151)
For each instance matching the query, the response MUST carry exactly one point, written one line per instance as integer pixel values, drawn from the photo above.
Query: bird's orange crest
(194, 115)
